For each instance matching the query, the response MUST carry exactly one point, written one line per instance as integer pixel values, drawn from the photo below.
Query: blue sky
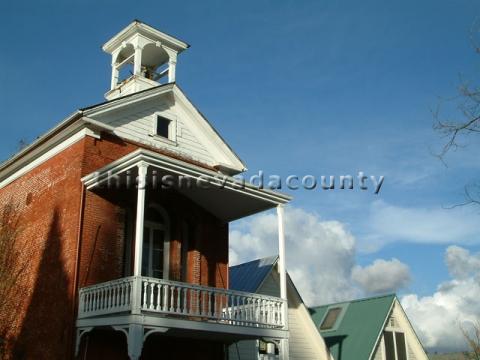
(306, 87)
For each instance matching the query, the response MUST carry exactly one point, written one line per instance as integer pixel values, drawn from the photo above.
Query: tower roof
(138, 27)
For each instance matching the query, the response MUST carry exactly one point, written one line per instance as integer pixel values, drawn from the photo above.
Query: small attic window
(162, 127)
(331, 318)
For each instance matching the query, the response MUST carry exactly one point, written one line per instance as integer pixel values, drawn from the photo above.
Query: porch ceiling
(221, 195)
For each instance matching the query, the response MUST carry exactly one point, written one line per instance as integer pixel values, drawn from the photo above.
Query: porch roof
(220, 194)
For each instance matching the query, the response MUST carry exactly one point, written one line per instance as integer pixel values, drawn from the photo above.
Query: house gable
(133, 118)
(261, 276)
(398, 322)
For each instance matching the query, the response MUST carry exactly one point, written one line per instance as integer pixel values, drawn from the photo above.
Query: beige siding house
(305, 342)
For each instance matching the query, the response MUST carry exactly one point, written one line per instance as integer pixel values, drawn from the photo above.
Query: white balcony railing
(140, 295)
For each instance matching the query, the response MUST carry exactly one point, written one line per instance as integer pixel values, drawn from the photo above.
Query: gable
(134, 119)
(398, 323)
(357, 332)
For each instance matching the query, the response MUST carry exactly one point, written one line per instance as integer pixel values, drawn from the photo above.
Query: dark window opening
(389, 346)
(331, 318)
(401, 348)
(163, 126)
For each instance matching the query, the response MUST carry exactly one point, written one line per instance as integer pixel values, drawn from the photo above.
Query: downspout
(77, 270)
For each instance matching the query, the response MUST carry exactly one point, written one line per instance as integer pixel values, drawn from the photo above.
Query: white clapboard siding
(136, 123)
(414, 348)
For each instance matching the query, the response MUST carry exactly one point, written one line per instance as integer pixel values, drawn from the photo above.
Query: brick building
(126, 206)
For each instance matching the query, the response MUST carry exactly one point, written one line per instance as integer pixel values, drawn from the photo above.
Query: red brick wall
(48, 200)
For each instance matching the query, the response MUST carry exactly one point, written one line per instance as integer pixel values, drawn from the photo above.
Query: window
(155, 253)
(162, 127)
(331, 318)
(395, 347)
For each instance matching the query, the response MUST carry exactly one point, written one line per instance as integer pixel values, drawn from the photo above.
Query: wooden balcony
(147, 305)
(157, 297)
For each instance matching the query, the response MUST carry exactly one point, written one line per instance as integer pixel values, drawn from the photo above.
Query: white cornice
(127, 100)
(181, 168)
(139, 27)
(43, 153)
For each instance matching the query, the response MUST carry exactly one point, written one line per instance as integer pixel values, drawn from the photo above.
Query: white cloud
(460, 263)
(438, 318)
(382, 276)
(388, 223)
(320, 254)
(321, 261)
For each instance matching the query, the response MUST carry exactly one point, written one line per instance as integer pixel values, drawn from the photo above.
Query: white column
(172, 63)
(284, 348)
(137, 61)
(281, 252)
(137, 265)
(115, 75)
(141, 189)
(171, 71)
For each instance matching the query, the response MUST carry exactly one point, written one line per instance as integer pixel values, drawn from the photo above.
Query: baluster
(145, 284)
(104, 298)
(202, 302)
(269, 313)
(244, 315)
(172, 299)
(110, 297)
(159, 297)
(165, 297)
(115, 295)
(185, 292)
(197, 302)
(215, 306)
(151, 300)
(85, 302)
(209, 299)
(179, 292)
(239, 308)
(96, 294)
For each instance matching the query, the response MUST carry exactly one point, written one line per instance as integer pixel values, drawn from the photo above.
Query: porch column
(141, 185)
(284, 349)
(137, 265)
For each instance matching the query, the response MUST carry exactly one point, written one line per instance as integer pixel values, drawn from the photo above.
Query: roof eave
(116, 40)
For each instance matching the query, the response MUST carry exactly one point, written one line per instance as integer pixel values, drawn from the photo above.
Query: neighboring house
(262, 277)
(368, 329)
(128, 203)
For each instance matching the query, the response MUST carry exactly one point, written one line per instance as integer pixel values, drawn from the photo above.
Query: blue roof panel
(250, 275)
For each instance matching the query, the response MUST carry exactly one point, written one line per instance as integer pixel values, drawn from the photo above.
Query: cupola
(142, 58)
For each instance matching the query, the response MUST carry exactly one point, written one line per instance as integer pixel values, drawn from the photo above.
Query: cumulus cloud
(388, 223)
(320, 253)
(461, 264)
(439, 317)
(383, 276)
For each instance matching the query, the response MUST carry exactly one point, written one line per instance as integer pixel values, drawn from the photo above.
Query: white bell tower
(142, 57)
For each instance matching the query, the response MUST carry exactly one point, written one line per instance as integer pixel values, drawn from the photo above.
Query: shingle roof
(250, 275)
(359, 328)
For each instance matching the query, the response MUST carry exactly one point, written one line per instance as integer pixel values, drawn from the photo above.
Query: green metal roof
(355, 335)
